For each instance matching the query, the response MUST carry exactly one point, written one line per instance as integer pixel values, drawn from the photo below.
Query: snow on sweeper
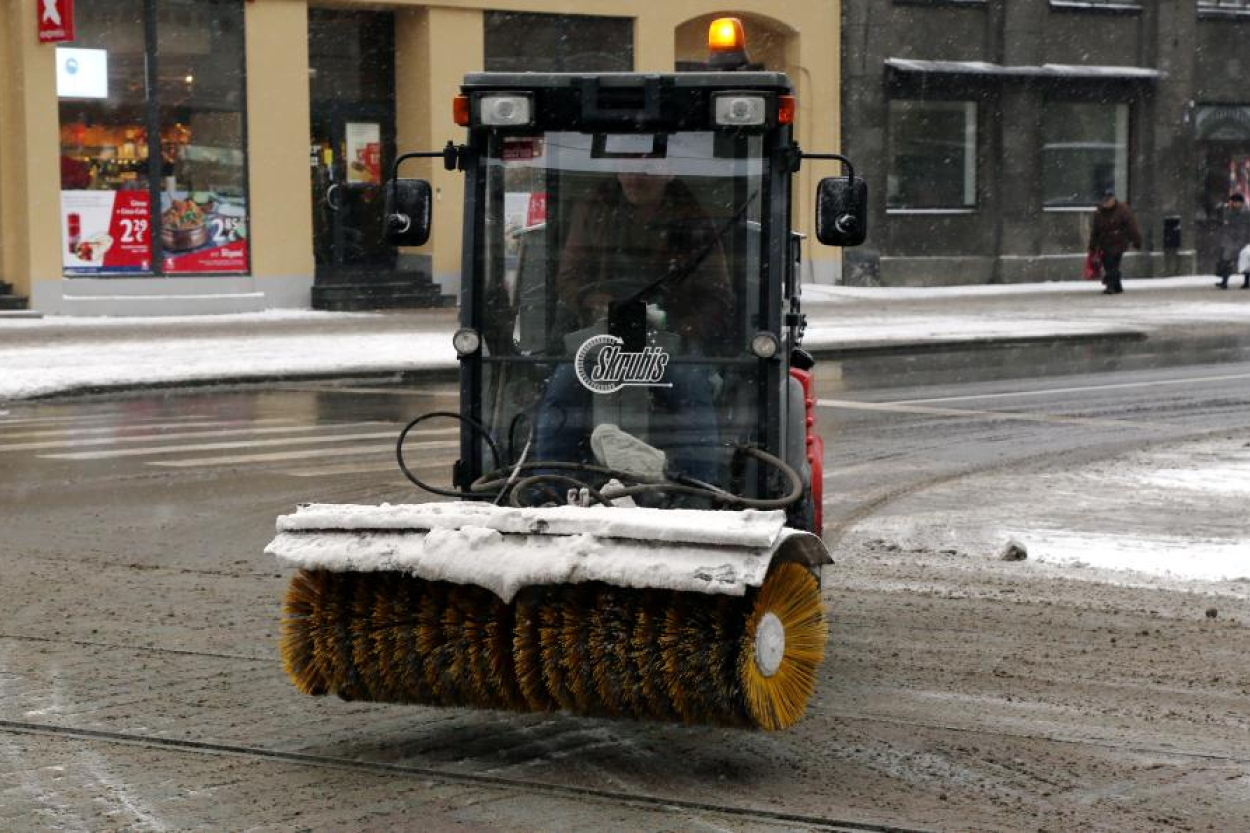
(634, 530)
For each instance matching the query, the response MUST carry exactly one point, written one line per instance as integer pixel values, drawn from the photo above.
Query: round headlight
(765, 345)
(466, 341)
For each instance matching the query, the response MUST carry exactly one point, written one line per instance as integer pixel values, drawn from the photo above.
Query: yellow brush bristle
(792, 594)
(527, 652)
(592, 649)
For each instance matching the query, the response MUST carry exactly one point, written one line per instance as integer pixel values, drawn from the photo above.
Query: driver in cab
(638, 227)
(642, 236)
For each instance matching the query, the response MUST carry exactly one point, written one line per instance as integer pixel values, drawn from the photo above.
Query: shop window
(1222, 133)
(933, 153)
(528, 42)
(151, 98)
(1084, 152)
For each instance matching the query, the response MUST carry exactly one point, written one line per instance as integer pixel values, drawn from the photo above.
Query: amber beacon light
(727, 44)
(725, 35)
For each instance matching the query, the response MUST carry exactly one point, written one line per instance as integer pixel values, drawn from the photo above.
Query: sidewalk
(59, 355)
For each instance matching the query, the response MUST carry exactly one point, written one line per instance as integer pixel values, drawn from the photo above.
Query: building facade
(988, 129)
(197, 156)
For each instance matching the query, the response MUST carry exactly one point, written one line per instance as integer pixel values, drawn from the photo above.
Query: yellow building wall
(280, 210)
(30, 169)
(434, 48)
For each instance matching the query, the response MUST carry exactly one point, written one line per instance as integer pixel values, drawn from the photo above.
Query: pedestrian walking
(1234, 237)
(1114, 230)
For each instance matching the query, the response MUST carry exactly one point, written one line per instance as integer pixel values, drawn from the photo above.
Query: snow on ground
(815, 293)
(46, 369)
(939, 329)
(155, 321)
(1167, 514)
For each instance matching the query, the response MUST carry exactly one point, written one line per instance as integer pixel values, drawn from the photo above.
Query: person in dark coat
(1234, 236)
(1114, 230)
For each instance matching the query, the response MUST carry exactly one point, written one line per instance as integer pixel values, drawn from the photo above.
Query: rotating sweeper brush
(637, 495)
(656, 617)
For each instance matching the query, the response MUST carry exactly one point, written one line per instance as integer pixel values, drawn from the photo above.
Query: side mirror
(841, 211)
(406, 205)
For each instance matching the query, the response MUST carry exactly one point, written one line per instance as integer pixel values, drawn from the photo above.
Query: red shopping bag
(1093, 266)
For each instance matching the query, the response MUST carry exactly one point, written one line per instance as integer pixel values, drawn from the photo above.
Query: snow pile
(505, 549)
(1176, 514)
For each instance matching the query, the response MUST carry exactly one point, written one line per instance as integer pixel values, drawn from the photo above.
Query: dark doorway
(351, 59)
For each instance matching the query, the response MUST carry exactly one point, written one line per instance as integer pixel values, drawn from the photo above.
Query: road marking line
(1112, 386)
(178, 449)
(177, 435)
(363, 468)
(93, 417)
(441, 394)
(303, 454)
(901, 408)
(66, 432)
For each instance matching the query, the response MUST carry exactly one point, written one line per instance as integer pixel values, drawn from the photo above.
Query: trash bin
(1171, 233)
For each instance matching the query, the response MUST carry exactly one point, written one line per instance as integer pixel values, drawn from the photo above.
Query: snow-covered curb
(816, 293)
(57, 368)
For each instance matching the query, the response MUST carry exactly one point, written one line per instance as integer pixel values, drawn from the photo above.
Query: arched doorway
(771, 44)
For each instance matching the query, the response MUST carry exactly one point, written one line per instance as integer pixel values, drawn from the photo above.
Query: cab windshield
(620, 293)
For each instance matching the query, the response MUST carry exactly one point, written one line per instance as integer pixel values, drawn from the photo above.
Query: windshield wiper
(627, 318)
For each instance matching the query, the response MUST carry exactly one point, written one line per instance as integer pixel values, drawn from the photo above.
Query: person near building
(1234, 237)
(1113, 232)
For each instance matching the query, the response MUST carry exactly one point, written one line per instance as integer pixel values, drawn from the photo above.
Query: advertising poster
(106, 232)
(364, 153)
(203, 233)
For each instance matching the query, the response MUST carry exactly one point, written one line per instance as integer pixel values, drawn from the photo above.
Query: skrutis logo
(603, 367)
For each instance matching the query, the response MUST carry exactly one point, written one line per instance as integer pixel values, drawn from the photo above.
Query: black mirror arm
(837, 157)
(451, 154)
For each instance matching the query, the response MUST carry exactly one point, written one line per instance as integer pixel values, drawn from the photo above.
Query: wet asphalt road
(140, 686)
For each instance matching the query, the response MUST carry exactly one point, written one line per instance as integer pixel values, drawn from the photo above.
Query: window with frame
(933, 155)
(153, 162)
(1084, 152)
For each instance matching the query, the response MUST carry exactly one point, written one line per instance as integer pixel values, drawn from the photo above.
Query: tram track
(617, 797)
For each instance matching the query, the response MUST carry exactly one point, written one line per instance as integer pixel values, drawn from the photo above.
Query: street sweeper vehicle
(632, 526)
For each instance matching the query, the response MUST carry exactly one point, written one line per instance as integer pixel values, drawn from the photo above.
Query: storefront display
(106, 232)
(203, 233)
(139, 67)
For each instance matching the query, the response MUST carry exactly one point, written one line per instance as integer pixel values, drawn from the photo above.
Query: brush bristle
(792, 594)
(591, 649)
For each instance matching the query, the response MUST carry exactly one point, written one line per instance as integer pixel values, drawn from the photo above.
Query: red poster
(132, 244)
(56, 20)
(203, 233)
(228, 258)
(106, 232)
(536, 211)
(373, 161)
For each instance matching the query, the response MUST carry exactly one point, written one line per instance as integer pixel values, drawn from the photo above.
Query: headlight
(505, 110)
(765, 345)
(739, 110)
(466, 341)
